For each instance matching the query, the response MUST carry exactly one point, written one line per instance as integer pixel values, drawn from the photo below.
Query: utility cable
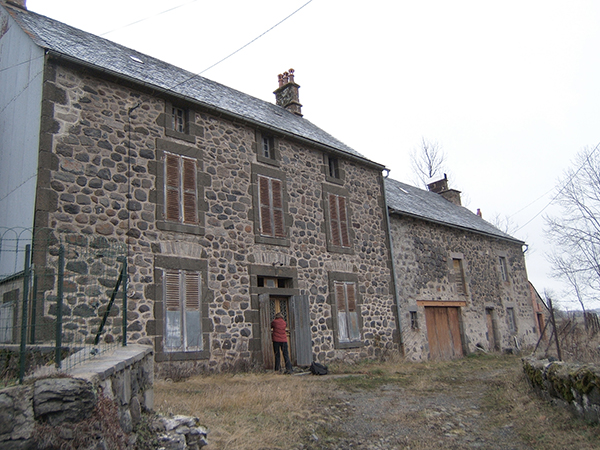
(566, 183)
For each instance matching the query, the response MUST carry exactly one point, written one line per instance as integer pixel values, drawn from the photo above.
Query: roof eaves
(458, 227)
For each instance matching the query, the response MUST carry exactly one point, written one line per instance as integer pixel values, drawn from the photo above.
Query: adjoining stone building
(462, 283)
(231, 208)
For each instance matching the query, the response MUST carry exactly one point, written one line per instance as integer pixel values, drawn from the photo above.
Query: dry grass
(246, 411)
(267, 411)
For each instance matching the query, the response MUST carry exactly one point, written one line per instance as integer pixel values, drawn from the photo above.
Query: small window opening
(178, 116)
(414, 321)
(272, 282)
(267, 147)
(503, 269)
(334, 167)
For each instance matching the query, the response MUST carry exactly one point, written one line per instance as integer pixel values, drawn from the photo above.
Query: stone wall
(125, 376)
(574, 386)
(424, 253)
(103, 175)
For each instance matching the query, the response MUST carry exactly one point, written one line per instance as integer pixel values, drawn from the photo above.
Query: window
(459, 276)
(503, 268)
(347, 315)
(510, 317)
(333, 169)
(181, 192)
(338, 220)
(414, 321)
(270, 192)
(266, 149)
(182, 300)
(178, 121)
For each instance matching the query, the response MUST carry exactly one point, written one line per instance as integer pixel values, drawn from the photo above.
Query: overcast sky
(510, 90)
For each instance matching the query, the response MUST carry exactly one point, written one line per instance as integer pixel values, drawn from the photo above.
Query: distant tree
(504, 223)
(575, 233)
(428, 161)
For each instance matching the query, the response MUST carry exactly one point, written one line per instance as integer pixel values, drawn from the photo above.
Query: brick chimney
(441, 187)
(286, 94)
(18, 3)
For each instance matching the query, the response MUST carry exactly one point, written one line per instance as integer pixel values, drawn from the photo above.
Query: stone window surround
(162, 146)
(175, 263)
(287, 220)
(188, 134)
(256, 271)
(331, 300)
(257, 146)
(342, 175)
(511, 316)
(503, 254)
(328, 189)
(464, 267)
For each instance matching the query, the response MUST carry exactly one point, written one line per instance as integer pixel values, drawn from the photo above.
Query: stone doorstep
(102, 366)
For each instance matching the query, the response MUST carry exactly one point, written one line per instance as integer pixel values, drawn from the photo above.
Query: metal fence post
(23, 350)
(59, 304)
(125, 275)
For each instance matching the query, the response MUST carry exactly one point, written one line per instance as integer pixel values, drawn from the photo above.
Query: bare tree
(428, 161)
(504, 223)
(575, 233)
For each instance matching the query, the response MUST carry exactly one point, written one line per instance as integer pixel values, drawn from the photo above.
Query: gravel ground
(393, 417)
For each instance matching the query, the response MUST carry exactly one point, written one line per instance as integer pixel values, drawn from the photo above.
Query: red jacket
(278, 326)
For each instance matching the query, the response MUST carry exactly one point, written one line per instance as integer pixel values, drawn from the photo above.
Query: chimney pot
(286, 94)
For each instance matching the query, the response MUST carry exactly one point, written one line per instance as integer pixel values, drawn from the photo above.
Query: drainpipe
(391, 247)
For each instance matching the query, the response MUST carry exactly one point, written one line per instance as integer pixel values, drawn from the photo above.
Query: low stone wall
(574, 386)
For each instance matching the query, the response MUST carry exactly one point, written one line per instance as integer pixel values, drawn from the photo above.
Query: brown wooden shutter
(278, 218)
(340, 297)
(345, 240)
(350, 291)
(190, 196)
(265, 206)
(172, 188)
(192, 291)
(172, 290)
(334, 220)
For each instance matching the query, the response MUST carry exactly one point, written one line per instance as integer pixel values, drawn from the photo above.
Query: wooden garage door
(443, 333)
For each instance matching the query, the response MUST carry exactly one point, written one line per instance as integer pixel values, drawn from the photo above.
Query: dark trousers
(283, 346)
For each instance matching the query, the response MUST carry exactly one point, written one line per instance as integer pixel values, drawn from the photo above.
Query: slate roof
(106, 55)
(408, 200)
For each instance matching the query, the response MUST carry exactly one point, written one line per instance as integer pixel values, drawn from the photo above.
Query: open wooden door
(265, 332)
(301, 329)
(443, 332)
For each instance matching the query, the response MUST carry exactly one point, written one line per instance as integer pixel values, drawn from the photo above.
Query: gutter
(222, 112)
(392, 253)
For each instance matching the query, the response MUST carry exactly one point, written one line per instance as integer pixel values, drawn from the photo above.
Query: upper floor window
(459, 276)
(178, 119)
(180, 204)
(181, 193)
(267, 149)
(182, 302)
(503, 268)
(333, 169)
(270, 191)
(338, 220)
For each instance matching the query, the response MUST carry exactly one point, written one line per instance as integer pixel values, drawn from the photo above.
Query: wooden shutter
(302, 337)
(193, 326)
(266, 228)
(338, 218)
(265, 332)
(190, 191)
(278, 219)
(173, 322)
(172, 187)
(342, 313)
(353, 327)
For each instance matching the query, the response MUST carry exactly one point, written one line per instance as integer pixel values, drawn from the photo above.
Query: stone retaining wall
(125, 376)
(574, 386)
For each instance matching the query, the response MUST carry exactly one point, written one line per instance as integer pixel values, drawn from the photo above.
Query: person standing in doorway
(280, 343)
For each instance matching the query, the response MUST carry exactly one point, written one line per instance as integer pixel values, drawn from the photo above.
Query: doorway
(492, 332)
(443, 332)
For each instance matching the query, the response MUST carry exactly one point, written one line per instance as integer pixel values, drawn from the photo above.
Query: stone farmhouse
(233, 209)
(461, 282)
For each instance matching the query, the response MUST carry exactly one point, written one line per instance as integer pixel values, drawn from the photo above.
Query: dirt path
(450, 414)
